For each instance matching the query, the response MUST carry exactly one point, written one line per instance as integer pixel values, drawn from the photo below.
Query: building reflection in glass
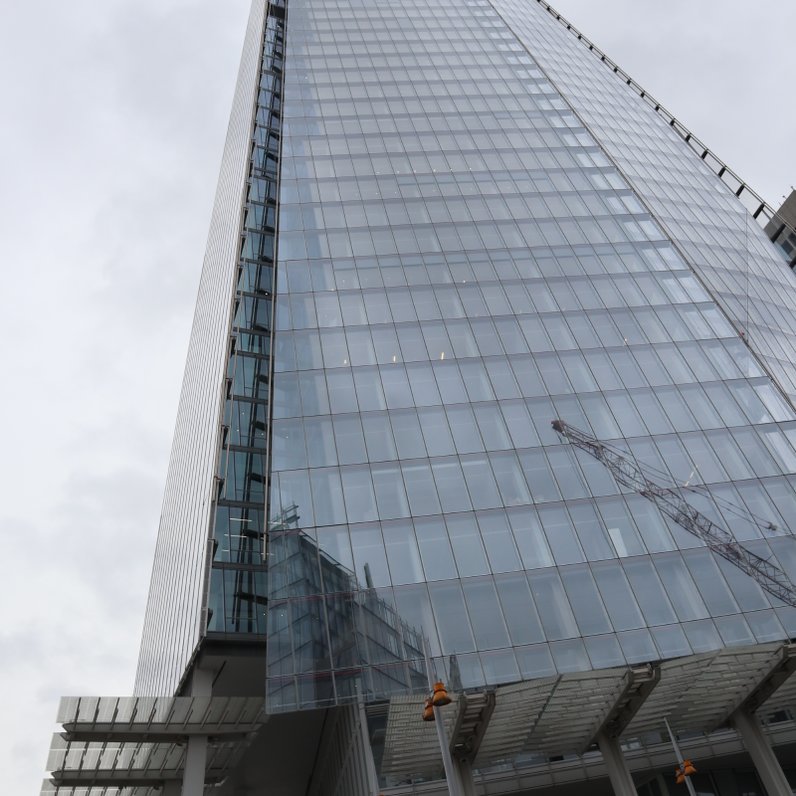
(328, 634)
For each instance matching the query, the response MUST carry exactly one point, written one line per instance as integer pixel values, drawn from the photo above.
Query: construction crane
(769, 576)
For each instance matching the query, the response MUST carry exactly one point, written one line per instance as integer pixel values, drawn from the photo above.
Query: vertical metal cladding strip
(174, 620)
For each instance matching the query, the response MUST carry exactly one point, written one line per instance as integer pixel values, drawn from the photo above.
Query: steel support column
(193, 778)
(766, 763)
(618, 772)
(464, 770)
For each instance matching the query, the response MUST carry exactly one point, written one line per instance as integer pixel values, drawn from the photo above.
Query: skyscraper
(491, 380)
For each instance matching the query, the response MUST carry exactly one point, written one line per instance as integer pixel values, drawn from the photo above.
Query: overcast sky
(114, 119)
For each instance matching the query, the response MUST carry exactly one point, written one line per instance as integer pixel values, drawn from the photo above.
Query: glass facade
(476, 236)
(440, 227)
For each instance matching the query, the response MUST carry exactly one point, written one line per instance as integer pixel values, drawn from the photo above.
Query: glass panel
(468, 548)
(617, 596)
(435, 549)
(552, 605)
(452, 621)
(486, 617)
(585, 601)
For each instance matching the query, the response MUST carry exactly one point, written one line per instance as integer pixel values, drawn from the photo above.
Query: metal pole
(451, 775)
(679, 756)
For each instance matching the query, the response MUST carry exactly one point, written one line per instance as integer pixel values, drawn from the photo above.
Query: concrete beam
(640, 683)
(773, 680)
(155, 734)
(472, 720)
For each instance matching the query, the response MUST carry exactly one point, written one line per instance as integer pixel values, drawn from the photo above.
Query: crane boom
(768, 576)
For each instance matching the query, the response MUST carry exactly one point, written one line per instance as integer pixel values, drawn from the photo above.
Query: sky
(115, 113)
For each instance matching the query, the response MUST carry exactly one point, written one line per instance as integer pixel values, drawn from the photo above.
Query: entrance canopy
(133, 746)
(563, 715)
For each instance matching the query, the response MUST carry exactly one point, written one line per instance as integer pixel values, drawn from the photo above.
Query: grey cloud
(118, 113)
